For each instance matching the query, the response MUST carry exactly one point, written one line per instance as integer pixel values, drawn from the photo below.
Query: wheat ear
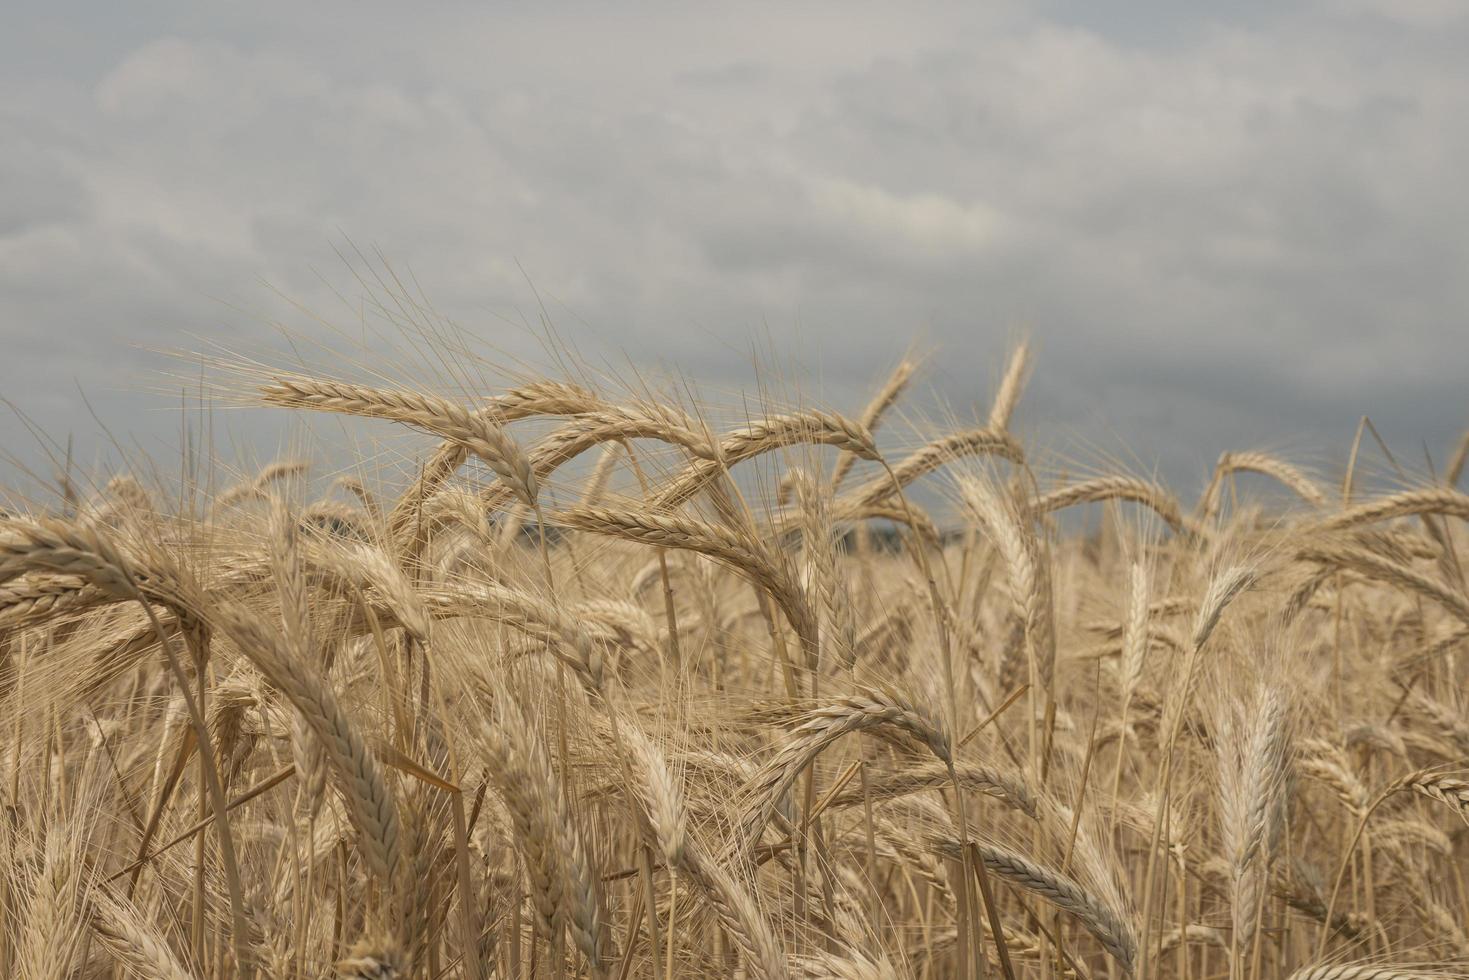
(1011, 384)
(450, 420)
(742, 551)
(1254, 784)
(49, 937)
(738, 912)
(1376, 566)
(823, 726)
(1009, 787)
(940, 452)
(811, 426)
(374, 957)
(1108, 925)
(1030, 578)
(885, 398)
(359, 773)
(1366, 971)
(1257, 462)
(1113, 488)
(566, 888)
(133, 941)
(1429, 500)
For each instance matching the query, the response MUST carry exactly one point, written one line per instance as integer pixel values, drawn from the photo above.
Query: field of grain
(613, 689)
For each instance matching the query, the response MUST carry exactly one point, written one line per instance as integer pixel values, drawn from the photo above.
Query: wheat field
(616, 686)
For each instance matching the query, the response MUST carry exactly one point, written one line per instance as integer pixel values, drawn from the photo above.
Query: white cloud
(1267, 206)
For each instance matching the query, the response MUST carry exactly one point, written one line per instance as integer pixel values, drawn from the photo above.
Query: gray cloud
(1222, 232)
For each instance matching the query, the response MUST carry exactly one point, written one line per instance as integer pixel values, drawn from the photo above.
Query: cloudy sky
(1224, 226)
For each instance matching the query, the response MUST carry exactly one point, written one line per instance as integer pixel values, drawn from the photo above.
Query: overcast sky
(1225, 226)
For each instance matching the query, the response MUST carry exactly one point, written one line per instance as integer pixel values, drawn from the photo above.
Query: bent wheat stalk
(1113, 488)
(1109, 926)
(733, 548)
(476, 432)
(811, 426)
(824, 725)
(1264, 463)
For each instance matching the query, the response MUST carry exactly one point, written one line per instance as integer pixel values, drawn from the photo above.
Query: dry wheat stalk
(307, 751)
